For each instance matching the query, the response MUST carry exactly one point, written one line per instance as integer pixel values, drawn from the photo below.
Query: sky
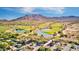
(16, 12)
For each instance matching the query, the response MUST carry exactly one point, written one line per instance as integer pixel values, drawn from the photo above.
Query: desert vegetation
(39, 36)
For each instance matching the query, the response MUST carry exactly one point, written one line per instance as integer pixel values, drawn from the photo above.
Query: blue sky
(15, 12)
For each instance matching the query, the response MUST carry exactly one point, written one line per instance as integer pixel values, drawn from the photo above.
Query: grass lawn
(3, 28)
(25, 27)
(55, 28)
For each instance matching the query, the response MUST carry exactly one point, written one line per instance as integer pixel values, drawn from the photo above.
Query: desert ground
(39, 35)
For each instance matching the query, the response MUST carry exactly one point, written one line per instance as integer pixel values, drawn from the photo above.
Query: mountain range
(38, 17)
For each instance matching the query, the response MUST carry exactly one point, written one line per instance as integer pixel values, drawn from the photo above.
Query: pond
(40, 32)
(20, 30)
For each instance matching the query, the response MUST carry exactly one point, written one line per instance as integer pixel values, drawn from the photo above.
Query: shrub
(44, 49)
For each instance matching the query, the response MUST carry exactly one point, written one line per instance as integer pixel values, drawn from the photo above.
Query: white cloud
(27, 9)
(57, 10)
